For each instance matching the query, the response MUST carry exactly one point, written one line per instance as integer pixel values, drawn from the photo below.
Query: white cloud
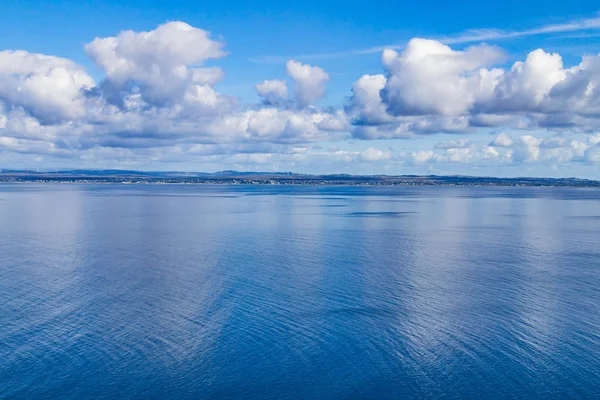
(26, 146)
(527, 84)
(431, 88)
(158, 102)
(366, 103)
(454, 144)
(50, 88)
(272, 91)
(423, 156)
(527, 149)
(429, 77)
(280, 126)
(164, 63)
(309, 81)
(502, 140)
(373, 154)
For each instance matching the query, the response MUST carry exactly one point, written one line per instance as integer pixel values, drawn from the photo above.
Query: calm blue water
(216, 292)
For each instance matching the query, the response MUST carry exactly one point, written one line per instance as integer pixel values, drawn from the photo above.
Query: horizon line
(7, 171)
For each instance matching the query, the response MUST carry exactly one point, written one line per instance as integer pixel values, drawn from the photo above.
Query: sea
(298, 292)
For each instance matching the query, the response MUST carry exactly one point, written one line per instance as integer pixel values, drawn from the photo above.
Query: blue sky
(152, 126)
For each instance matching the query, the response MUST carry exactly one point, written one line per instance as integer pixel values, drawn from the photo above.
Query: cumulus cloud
(272, 91)
(366, 103)
(373, 154)
(527, 84)
(163, 63)
(49, 88)
(504, 150)
(309, 81)
(502, 140)
(155, 94)
(429, 87)
(454, 144)
(158, 99)
(429, 77)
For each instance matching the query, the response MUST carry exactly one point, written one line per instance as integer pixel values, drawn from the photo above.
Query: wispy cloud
(469, 36)
(583, 35)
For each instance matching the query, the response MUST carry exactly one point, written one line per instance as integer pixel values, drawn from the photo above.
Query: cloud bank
(157, 101)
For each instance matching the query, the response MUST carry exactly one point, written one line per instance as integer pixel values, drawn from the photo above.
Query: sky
(364, 87)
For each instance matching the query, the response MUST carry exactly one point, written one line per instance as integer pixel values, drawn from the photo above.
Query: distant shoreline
(287, 179)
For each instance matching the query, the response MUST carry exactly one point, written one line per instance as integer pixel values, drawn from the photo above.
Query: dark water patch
(321, 198)
(185, 195)
(376, 200)
(323, 205)
(382, 214)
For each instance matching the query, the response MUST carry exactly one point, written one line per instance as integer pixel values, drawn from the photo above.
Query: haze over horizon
(428, 88)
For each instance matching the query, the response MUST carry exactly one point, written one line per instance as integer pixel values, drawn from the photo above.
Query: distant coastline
(276, 178)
